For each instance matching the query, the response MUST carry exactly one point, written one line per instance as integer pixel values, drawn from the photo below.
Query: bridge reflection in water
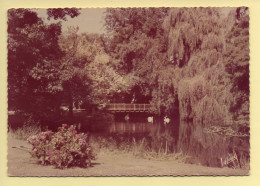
(130, 127)
(129, 118)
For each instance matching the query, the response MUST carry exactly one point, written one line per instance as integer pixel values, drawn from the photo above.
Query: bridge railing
(128, 107)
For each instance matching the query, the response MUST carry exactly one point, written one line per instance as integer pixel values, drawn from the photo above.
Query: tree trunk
(70, 102)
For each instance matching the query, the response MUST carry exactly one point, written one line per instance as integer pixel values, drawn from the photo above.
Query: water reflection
(123, 127)
(129, 123)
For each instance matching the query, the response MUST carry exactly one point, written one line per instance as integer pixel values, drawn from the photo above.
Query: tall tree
(138, 48)
(33, 61)
(87, 63)
(237, 65)
(196, 40)
(31, 44)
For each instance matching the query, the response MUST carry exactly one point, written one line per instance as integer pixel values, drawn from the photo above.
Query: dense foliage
(62, 13)
(205, 89)
(138, 51)
(32, 49)
(48, 69)
(237, 66)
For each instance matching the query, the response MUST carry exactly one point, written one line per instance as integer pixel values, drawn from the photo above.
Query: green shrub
(65, 148)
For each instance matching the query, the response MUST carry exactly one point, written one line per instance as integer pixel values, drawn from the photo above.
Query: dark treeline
(191, 64)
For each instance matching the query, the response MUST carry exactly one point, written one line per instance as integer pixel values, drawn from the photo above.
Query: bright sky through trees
(90, 20)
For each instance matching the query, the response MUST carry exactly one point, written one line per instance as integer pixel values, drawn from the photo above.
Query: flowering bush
(64, 148)
(40, 144)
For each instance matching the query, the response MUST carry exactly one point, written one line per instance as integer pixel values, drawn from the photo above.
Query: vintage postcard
(128, 91)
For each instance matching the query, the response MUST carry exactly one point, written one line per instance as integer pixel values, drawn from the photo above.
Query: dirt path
(107, 164)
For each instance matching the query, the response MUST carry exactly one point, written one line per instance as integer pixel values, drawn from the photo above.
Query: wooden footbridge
(128, 107)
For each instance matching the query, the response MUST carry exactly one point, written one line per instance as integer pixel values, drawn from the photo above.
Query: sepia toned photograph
(128, 92)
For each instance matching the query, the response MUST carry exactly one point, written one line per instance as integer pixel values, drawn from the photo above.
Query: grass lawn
(107, 164)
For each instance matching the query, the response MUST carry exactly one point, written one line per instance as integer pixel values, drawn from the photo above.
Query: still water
(129, 127)
(137, 125)
(122, 123)
(130, 123)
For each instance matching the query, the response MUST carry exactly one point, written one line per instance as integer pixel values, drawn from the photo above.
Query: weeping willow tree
(197, 48)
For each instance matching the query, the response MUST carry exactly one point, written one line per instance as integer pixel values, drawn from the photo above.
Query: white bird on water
(150, 119)
(166, 120)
